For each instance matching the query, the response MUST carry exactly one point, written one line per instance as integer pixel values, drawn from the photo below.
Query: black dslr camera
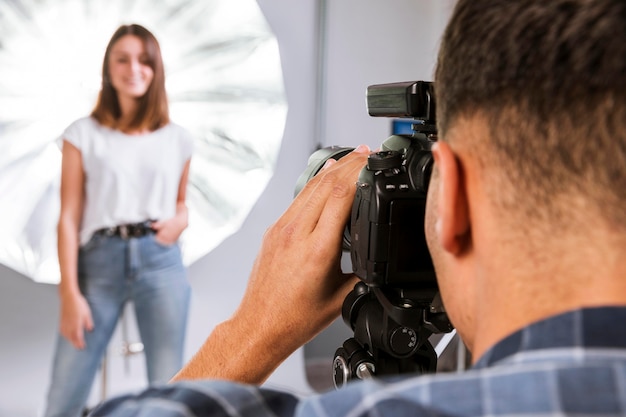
(395, 307)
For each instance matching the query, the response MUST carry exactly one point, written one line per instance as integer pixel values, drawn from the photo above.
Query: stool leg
(128, 348)
(104, 375)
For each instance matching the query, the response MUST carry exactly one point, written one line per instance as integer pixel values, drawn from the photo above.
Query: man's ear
(453, 221)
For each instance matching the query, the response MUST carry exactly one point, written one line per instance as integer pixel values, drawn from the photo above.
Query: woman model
(123, 181)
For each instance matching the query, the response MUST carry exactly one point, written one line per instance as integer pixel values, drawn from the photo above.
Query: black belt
(126, 231)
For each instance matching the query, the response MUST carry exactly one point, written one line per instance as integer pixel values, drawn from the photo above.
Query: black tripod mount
(391, 330)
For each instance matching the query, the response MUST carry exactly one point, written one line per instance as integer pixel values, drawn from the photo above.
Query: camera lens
(317, 161)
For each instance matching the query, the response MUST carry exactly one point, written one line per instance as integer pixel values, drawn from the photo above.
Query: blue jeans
(112, 271)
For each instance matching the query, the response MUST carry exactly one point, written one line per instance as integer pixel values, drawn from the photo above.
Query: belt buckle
(123, 231)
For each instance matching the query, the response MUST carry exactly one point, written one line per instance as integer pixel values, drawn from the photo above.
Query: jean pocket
(92, 243)
(161, 244)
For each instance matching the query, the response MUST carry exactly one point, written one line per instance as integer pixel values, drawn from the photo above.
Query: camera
(395, 307)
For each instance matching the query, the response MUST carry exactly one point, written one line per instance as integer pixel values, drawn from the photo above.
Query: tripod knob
(365, 370)
(341, 370)
(403, 341)
(352, 361)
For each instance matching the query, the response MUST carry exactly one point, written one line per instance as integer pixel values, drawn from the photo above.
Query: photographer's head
(527, 204)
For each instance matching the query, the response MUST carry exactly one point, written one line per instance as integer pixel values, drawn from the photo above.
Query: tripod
(391, 330)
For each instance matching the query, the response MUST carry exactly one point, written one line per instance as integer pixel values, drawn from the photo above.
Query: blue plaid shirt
(571, 364)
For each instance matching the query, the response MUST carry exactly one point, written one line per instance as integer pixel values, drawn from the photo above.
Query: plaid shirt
(571, 364)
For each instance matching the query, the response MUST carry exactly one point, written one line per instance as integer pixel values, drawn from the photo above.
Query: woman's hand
(75, 319)
(168, 231)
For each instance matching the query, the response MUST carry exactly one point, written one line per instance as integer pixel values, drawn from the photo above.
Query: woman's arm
(169, 230)
(75, 313)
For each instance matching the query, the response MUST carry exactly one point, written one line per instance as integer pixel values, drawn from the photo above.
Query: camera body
(388, 245)
(385, 235)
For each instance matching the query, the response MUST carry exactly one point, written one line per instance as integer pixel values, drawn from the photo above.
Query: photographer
(525, 222)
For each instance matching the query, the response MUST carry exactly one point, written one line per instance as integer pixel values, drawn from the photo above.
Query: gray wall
(366, 42)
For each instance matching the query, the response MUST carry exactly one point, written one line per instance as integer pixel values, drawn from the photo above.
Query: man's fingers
(335, 182)
(331, 164)
(336, 210)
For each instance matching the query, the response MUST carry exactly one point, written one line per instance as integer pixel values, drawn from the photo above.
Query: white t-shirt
(128, 178)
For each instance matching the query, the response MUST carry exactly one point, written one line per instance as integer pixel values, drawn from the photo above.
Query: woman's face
(129, 67)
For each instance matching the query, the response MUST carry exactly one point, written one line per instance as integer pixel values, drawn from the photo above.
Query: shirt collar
(597, 327)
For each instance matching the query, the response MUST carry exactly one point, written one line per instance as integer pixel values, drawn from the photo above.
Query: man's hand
(296, 287)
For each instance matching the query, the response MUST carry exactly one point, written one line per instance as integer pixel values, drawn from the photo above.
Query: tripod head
(391, 330)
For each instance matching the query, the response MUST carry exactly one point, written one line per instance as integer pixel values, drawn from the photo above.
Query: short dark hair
(549, 78)
(153, 110)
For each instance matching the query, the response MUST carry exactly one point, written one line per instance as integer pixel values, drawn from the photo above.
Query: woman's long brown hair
(152, 111)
